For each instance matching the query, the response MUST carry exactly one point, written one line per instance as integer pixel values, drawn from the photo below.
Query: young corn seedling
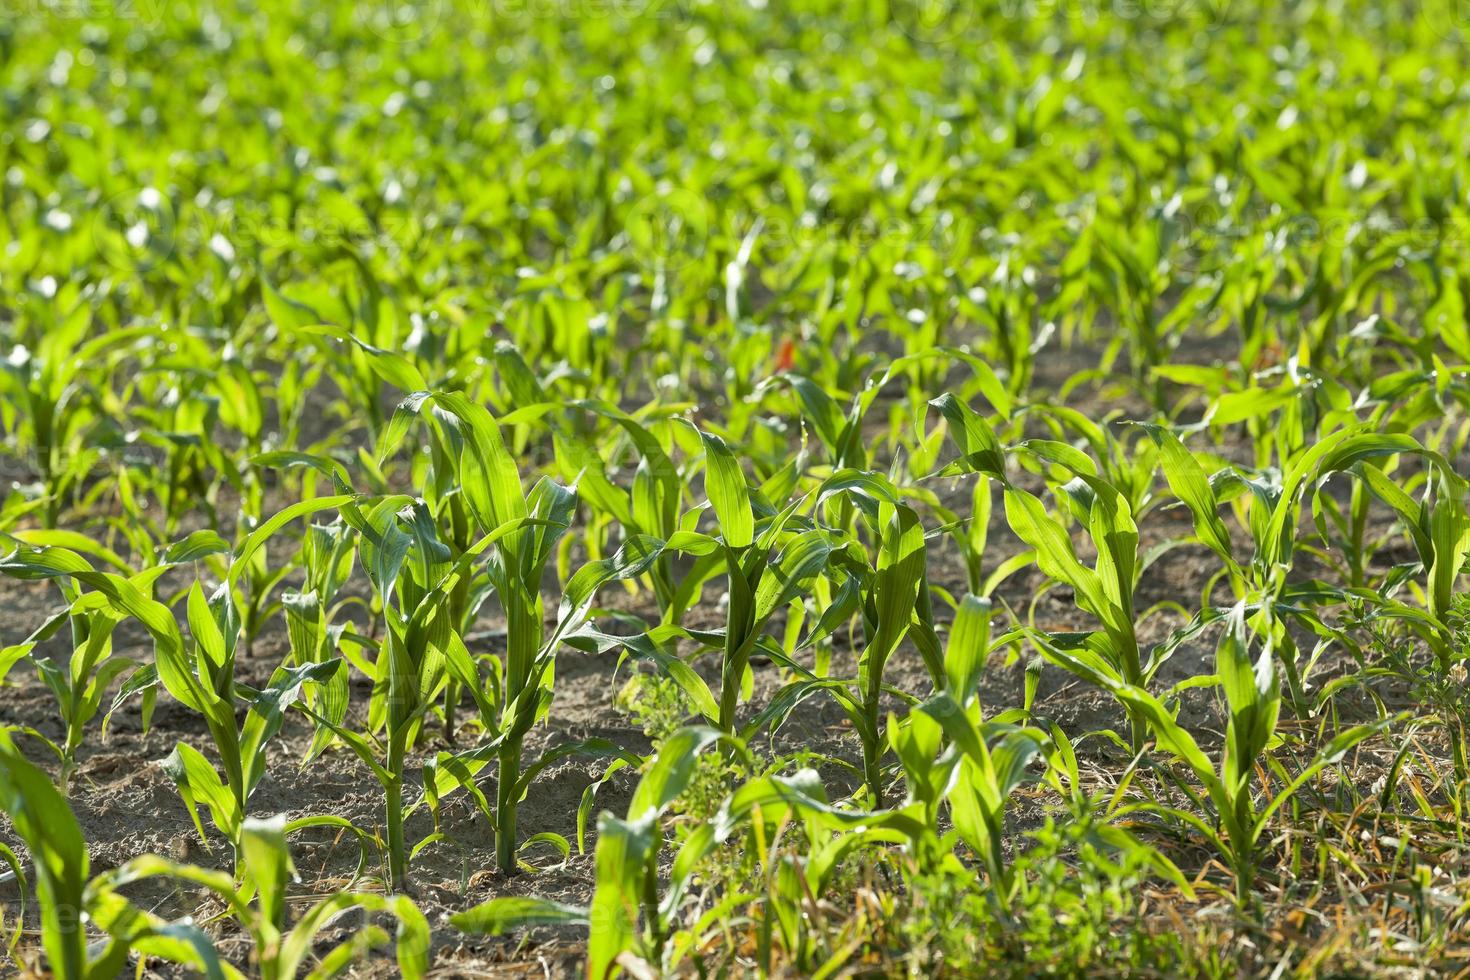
(1439, 526)
(651, 506)
(509, 719)
(1253, 698)
(1106, 589)
(358, 358)
(199, 674)
(894, 600)
(80, 685)
(417, 578)
(70, 902)
(952, 756)
(917, 740)
(520, 532)
(411, 577)
(989, 762)
(1274, 513)
(888, 591)
(215, 635)
(1127, 463)
(786, 580)
(745, 561)
(260, 906)
(842, 436)
(436, 474)
(762, 581)
(51, 405)
(327, 559)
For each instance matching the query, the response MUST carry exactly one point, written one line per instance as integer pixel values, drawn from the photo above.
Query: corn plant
(953, 758)
(80, 686)
(198, 674)
(627, 858)
(894, 602)
(1439, 527)
(508, 720)
(1253, 696)
(761, 581)
(260, 905)
(1104, 590)
(990, 763)
(315, 637)
(69, 901)
(1125, 459)
(215, 633)
(445, 503)
(409, 573)
(417, 579)
(1274, 509)
(52, 406)
(650, 506)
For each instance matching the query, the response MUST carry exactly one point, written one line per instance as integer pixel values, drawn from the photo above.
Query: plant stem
(458, 599)
(1138, 732)
(650, 906)
(873, 774)
(451, 701)
(505, 808)
(393, 789)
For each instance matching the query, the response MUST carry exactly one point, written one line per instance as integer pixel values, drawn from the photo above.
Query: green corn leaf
(199, 783)
(268, 710)
(205, 630)
(198, 545)
(268, 869)
(1188, 481)
(1252, 691)
(1449, 534)
(500, 915)
(899, 574)
(58, 855)
(980, 451)
(790, 576)
(623, 849)
(1054, 552)
(393, 368)
(968, 648)
(725, 485)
